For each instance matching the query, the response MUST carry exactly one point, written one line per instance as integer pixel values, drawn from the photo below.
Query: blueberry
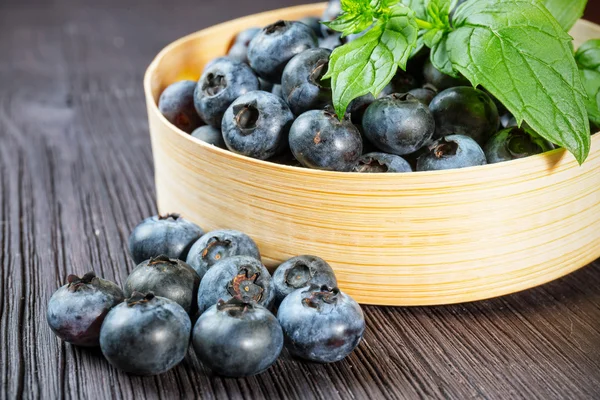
(218, 245)
(314, 23)
(165, 277)
(176, 103)
(276, 44)
(508, 121)
(237, 339)
(239, 49)
(257, 125)
(145, 335)
(332, 41)
(398, 124)
(302, 84)
(425, 94)
(454, 151)
(77, 309)
(220, 84)
(333, 10)
(466, 111)
(168, 234)
(382, 162)
(321, 324)
(210, 135)
(513, 143)
(318, 139)
(240, 277)
(439, 80)
(265, 85)
(277, 91)
(299, 272)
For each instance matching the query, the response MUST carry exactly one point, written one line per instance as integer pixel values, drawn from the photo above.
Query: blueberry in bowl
(450, 152)
(276, 44)
(321, 324)
(220, 85)
(237, 339)
(210, 135)
(318, 139)
(218, 245)
(239, 49)
(439, 80)
(314, 23)
(257, 125)
(76, 310)
(176, 103)
(166, 277)
(241, 277)
(514, 143)
(170, 235)
(145, 335)
(381, 162)
(299, 272)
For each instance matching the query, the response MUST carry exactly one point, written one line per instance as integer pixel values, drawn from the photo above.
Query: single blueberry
(276, 44)
(466, 111)
(145, 335)
(398, 124)
(401, 83)
(424, 94)
(453, 151)
(221, 83)
(237, 339)
(318, 139)
(257, 125)
(239, 49)
(210, 135)
(218, 245)
(302, 84)
(439, 80)
(314, 23)
(299, 272)
(277, 91)
(513, 143)
(168, 234)
(240, 277)
(77, 309)
(166, 277)
(176, 103)
(382, 162)
(321, 324)
(332, 41)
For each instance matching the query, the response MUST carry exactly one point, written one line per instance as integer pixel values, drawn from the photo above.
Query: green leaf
(588, 61)
(440, 59)
(566, 12)
(438, 12)
(356, 16)
(519, 52)
(418, 6)
(368, 64)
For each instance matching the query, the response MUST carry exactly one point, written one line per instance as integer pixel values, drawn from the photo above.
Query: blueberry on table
(439, 80)
(302, 85)
(514, 143)
(299, 272)
(210, 135)
(424, 94)
(382, 162)
(77, 309)
(318, 139)
(169, 235)
(218, 245)
(221, 83)
(321, 324)
(176, 103)
(145, 335)
(239, 49)
(314, 23)
(240, 277)
(166, 277)
(276, 44)
(453, 151)
(257, 125)
(398, 124)
(465, 110)
(237, 339)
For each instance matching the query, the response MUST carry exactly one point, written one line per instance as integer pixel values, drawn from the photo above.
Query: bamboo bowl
(393, 239)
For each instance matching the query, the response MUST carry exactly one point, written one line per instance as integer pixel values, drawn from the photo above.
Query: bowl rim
(152, 106)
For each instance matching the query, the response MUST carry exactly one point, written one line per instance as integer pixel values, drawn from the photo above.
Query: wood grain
(76, 175)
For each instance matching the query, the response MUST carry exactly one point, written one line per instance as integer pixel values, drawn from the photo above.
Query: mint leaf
(588, 61)
(438, 12)
(519, 52)
(440, 59)
(368, 64)
(356, 16)
(566, 12)
(418, 6)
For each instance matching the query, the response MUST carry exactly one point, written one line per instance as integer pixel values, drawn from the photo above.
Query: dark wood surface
(76, 176)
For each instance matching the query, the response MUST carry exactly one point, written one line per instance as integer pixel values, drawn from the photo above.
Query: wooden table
(76, 176)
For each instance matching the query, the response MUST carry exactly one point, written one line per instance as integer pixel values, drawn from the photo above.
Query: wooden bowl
(393, 239)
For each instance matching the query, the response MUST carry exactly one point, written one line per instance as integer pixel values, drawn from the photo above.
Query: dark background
(76, 176)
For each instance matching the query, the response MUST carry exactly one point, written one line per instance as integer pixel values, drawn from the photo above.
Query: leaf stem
(422, 24)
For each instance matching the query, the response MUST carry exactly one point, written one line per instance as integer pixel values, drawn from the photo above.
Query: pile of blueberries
(217, 280)
(266, 99)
